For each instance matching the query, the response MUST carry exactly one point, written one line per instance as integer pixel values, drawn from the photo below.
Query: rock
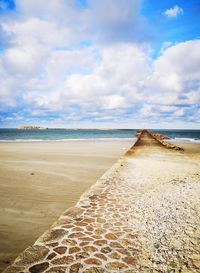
(32, 255)
(129, 260)
(100, 242)
(159, 136)
(51, 256)
(90, 249)
(116, 245)
(82, 255)
(39, 267)
(93, 261)
(115, 256)
(101, 256)
(63, 260)
(60, 249)
(56, 270)
(52, 244)
(111, 236)
(75, 268)
(69, 242)
(94, 270)
(116, 266)
(53, 235)
(74, 249)
(106, 250)
(76, 235)
(100, 231)
(84, 243)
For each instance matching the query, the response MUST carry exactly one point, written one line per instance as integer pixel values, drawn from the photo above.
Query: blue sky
(102, 64)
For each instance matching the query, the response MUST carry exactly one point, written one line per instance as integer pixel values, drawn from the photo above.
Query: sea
(16, 135)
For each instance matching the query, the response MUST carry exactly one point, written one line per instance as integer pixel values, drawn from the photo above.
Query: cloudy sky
(100, 63)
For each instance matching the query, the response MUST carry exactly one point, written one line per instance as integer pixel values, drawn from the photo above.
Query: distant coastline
(32, 127)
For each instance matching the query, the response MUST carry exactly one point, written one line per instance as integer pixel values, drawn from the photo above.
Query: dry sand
(38, 181)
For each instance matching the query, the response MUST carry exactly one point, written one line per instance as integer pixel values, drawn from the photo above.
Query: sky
(100, 63)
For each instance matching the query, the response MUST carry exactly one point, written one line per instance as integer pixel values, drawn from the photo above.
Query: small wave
(185, 140)
(66, 140)
(28, 140)
(20, 140)
(95, 139)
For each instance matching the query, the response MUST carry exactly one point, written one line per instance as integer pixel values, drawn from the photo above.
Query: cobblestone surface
(143, 215)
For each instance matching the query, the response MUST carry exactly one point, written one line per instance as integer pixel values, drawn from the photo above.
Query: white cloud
(19, 60)
(173, 12)
(46, 71)
(120, 75)
(35, 32)
(124, 77)
(176, 74)
(180, 112)
(114, 102)
(55, 10)
(122, 22)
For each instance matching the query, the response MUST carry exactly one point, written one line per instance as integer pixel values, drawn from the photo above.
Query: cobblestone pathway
(141, 216)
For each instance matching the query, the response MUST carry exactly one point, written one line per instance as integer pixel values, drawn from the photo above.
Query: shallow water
(15, 135)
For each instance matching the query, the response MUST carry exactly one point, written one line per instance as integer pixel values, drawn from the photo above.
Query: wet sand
(191, 149)
(38, 181)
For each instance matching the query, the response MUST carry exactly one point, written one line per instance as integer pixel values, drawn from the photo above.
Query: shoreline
(131, 139)
(69, 140)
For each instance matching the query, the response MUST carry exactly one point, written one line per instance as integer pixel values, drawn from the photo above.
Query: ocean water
(15, 135)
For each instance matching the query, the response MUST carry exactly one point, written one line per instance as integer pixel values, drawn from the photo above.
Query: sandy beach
(38, 181)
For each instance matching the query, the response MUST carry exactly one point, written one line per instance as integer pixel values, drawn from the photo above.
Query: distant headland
(32, 127)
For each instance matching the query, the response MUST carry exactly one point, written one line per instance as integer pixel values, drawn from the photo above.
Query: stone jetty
(142, 215)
